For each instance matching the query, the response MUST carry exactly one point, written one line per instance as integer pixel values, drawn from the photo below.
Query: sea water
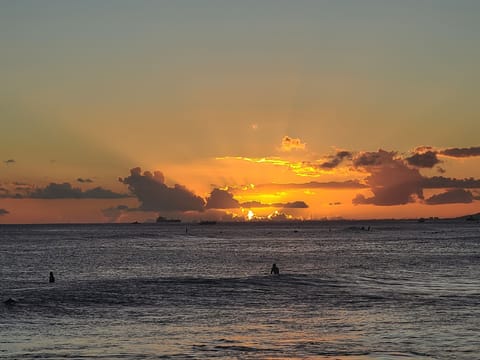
(398, 290)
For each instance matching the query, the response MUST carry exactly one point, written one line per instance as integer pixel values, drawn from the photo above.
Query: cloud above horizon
(397, 181)
(221, 199)
(82, 180)
(4, 212)
(154, 195)
(391, 181)
(453, 196)
(441, 182)
(58, 191)
(426, 159)
(335, 160)
(67, 191)
(461, 152)
(289, 144)
(287, 205)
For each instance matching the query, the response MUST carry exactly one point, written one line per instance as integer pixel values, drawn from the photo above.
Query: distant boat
(162, 219)
(207, 222)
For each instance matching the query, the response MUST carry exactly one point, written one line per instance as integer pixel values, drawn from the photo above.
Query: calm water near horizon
(403, 290)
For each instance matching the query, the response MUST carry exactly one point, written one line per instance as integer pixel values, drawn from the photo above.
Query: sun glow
(250, 215)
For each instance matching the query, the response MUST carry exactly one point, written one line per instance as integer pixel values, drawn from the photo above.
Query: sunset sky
(120, 111)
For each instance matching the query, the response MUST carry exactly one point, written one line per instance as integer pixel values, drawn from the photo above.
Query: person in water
(51, 279)
(275, 270)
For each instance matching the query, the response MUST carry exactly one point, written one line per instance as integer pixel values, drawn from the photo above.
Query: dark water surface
(152, 291)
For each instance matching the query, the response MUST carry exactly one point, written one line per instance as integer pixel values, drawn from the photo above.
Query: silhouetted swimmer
(275, 270)
(9, 302)
(51, 279)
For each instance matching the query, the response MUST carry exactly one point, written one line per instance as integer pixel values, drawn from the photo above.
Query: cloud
(441, 182)
(455, 196)
(288, 205)
(4, 212)
(289, 144)
(101, 193)
(154, 195)
(335, 160)
(391, 181)
(221, 199)
(81, 180)
(66, 191)
(378, 158)
(254, 204)
(461, 152)
(9, 162)
(291, 205)
(278, 216)
(426, 159)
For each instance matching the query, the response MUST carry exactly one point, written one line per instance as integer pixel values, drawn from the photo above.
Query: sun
(250, 215)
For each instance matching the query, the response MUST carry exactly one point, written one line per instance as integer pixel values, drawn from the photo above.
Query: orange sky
(306, 110)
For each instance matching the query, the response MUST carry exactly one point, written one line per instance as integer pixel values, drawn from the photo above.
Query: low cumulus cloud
(154, 195)
(461, 152)
(288, 205)
(426, 159)
(82, 180)
(4, 212)
(391, 181)
(336, 203)
(67, 191)
(289, 144)
(292, 205)
(397, 181)
(454, 196)
(441, 182)
(9, 162)
(221, 199)
(335, 160)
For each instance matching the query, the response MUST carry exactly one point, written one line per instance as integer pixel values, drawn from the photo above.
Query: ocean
(399, 290)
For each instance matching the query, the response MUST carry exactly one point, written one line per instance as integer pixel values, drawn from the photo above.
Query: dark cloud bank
(397, 181)
(61, 191)
(155, 195)
(67, 191)
(454, 196)
(391, 181)
(461, 152)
